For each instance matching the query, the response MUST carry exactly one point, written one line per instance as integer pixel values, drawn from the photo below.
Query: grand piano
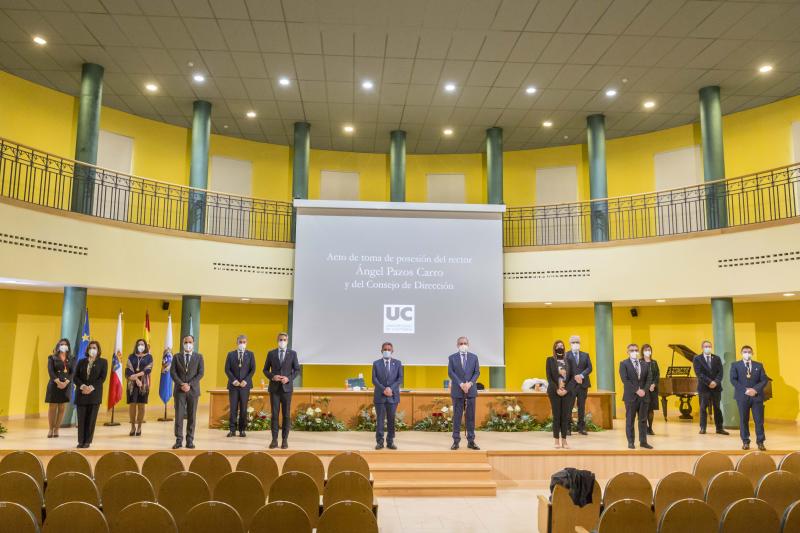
(678, 381)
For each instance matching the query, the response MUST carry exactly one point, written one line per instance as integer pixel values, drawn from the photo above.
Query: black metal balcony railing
(47, 180)
(761, 197)
(44, 179)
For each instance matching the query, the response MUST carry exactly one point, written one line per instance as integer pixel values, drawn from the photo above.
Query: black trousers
(711, 398)
(87, 419)
(185, 407)
(580, 399)
(561, 406)
(458, 412)
(281, 402)
(385, 412)
(638, 407)
(238, 397)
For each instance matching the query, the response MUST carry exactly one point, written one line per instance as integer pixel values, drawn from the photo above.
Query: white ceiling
(571, 50)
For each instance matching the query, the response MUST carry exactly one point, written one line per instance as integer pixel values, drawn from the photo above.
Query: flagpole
(112, 423)
(166, 392)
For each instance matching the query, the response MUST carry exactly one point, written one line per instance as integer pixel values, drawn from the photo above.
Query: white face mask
(576, 346)
(462, 348)
(63, 348)
(633, 355)
(647, 353)
(282, 344)
(92, 352)
(188, 346)
(747, 356)
(242, 346)
(707, 350)
(387, 354)
(140, 348)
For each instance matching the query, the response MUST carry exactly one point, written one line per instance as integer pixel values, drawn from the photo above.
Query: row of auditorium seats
(714, 497)
(252, 494)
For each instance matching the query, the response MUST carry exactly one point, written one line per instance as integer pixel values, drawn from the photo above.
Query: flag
(81, 349)
(115, 381)
(147, 328)
(165, 386)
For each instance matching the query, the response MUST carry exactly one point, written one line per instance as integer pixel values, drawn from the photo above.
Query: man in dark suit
(708, 369)
(749, 379)
(280, 368)
(387, 376)
(463, 368)
(635, 376)
(583, 367)
(240, 365)
(187, 370)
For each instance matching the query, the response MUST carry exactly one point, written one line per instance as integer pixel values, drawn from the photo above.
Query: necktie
(708, 360)
(186, 361)
(638, 369)
(280, 357)
(240, 359)
(464, 361)
(387, 367)
(748, 369)
(577, 357)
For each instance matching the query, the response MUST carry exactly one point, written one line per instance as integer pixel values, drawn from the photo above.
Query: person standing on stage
(240, 365)
(464, 369)
(583, 368)
(90, 374)
(387, 377)
(187, 370)
(749, 379)
(652, 391)
(280, 368)
(635, 376)
(560, 371)
(60, 366)
(708, 369)
(137, 372)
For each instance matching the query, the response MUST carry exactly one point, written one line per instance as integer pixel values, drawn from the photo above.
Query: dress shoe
(379, 446)
(702, 431)
(284, 444)
(190, 444)
(745, 445)
(472, 446)
(454, 446)
(242, 434)
(651, 432)
(273, 444)
(138, 432)
(132, 433)
(391, 446)
(583, 432)
(80, 445)
(177, 445)
(631, 446)
(722, 432)
(645, 446)
(231, 434)
(762, 448)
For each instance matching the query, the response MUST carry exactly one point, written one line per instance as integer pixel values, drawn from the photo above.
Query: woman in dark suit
(655, 373)
(90, 374)
(140, 365)
(560, 370)
(60, 365)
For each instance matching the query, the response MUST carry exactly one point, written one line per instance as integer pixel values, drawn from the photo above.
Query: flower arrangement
(507, 415)
(257, 420)
(3, 429)
(440, 419)
(573, 426)
(367, 419)
(317, 417)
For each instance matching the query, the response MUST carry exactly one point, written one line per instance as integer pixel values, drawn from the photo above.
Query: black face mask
(559, 352)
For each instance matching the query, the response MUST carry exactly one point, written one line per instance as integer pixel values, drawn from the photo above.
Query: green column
(397, 166)
(89, 102)
(713, 156)
(494, 184)
(725, 347)
(604, 349)
(72, 316)
(598, 181)
(198, 169)
(190, 320)
(300, 162)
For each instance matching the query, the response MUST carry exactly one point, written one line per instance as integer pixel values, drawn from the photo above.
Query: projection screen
(417, 275)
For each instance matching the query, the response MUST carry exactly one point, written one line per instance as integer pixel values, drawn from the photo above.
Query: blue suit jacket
(459, 375)
(758, 380)
(381, 379)
(235, 373)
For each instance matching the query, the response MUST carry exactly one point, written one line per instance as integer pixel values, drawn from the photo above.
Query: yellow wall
(471, 165)
(519, 171)
(372, 168)
(272, 176)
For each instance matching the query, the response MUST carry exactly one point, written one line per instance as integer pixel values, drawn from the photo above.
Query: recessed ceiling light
(251, 114)
(566, 137)
(450, 87)
(547, 123)
(788, 294)
(225, 126)
(199, 78)
(649, 104)
(530, 90)
(661, 300)
(41, 41)
(152, 87)
(245, 299)
(367, 84)
(284, 81)
(763, 69)
(349, 129)
(447, 131)
(548, 303)
(611, 92)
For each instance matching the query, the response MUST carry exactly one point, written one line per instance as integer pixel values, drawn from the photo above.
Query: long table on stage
(415, 404)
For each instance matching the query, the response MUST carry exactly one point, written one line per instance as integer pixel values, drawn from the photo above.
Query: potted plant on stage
(506, 414)
(317, 417)
(591, 427)
(440, 419)
(367, 419)
(258, 418)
